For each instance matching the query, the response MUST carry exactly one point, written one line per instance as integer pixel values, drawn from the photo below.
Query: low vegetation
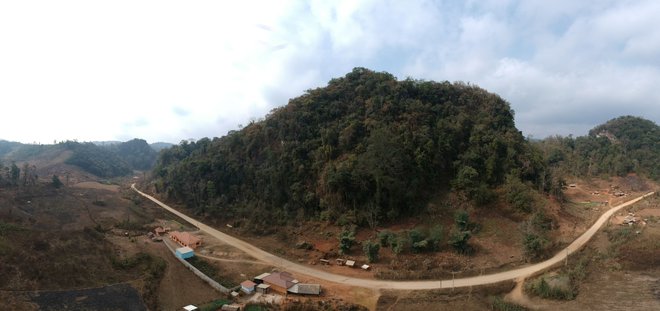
(153, 269)
(498, 304)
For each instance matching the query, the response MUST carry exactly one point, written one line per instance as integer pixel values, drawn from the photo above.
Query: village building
(350, 263)
(185, 239)
(160, 230)
(305, 289)
(231, 307)
(263, 288)
(248, 286)
(259, 279)
(280, 281)
(190, 308)
(184, 252)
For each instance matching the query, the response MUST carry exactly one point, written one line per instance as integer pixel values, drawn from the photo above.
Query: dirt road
(284, 264)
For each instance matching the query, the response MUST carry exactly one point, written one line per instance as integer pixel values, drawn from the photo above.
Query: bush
(346, 241)
(459, 241)
(214, 305)
(542, 288)
(398, 243)
(518, 194)
(386, 238)
(371, 250)
(499, 304)
(534, 245)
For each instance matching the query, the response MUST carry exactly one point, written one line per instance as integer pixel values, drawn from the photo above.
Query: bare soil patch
(97, 185)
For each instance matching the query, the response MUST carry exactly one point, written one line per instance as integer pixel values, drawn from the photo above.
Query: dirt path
(284, 264)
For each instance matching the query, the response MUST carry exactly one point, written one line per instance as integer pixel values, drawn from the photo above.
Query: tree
(461, 233)
(462, 220)
(371, 250)
(397, 244)
(26, 173)
(386, 238)
(346, 241)
(435, 237)
(518, 194)
(14, 174)
(534, 234)
(459, 241)
(534, 244)
(56, 182)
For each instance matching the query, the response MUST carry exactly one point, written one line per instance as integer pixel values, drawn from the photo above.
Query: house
(340, 262)
(247, 286)
(190, 308)
(260, 278)
(160, 231)
(184, 252)
(185, 239)
(324, 261)
(350, 263)
(280, 281)
(305, 289)
(365, 267)
(231, 307)
(263, 288)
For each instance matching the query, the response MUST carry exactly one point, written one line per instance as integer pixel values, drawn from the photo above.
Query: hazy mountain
(158, 146)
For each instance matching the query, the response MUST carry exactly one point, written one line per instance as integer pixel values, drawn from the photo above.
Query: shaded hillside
(366, 145)
(620, 146)
(103, 161)
(7, 147)
(136, 153)
(158, 146)
(97, 160)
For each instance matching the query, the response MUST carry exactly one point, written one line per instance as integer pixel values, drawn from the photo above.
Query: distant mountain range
(101, 158)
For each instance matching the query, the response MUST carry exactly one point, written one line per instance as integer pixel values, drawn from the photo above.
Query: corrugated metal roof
(305, 289)
(262, 276)
(184, 250)
(281, 279)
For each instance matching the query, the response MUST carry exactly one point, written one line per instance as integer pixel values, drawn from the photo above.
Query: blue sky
(171, 70)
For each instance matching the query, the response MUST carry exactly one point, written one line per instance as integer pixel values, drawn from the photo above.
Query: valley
(373, 193)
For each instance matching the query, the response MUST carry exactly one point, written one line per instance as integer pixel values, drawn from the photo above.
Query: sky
(175, 70)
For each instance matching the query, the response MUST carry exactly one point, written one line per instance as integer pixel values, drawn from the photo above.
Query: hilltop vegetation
(620, 146)
(105, 160)
(366, 146)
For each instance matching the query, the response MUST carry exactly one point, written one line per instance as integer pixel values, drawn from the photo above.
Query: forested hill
(104, 160)
(366, 144)
(620, 146)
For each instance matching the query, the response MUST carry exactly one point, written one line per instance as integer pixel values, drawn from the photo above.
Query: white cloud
(166, 70)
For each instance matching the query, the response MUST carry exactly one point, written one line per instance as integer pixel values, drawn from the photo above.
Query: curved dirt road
(260, 254)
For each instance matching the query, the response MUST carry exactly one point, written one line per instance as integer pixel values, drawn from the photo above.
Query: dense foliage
(618, 147)
(366, 146)
(96, 160)
(136, 153)
(101, 159)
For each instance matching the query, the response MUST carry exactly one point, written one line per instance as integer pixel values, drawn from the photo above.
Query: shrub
(371, 249)
(386, 238)
(499, 304)
(346, 241)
